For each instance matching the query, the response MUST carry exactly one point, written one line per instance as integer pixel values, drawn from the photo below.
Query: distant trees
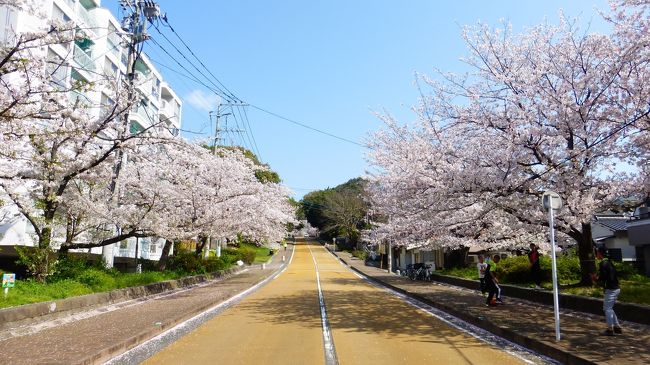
(338, 211)
(551, 108)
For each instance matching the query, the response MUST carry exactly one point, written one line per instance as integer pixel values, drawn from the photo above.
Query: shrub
(625, 270)
(217, 263)
(229, 254)
(568, 268)
(97, 280)
(244, 253)
(40, 262)
(461, 272)
(514, 270)
(186, 262)
(360, 254)
(247, 255)
(69, 267)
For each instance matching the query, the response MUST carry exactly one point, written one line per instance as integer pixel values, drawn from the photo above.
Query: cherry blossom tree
(631, 20)
(550, 108)
(59, 152)
(50, 135)
(179, 190)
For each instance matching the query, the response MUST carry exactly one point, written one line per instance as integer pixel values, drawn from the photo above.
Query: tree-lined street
(281, 324)
(133, 231)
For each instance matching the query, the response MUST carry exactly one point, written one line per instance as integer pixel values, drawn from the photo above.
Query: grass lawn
(91, 281)
(88, 280)
(635, 289)
(262, 254)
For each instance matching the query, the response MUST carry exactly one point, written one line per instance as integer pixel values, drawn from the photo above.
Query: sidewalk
(528, 324)
(107, 332)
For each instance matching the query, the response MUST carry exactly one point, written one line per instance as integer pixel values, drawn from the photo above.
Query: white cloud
(203, 101)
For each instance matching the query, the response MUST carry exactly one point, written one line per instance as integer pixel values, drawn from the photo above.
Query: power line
(192, 76)
(194, 55)
(307, 126)
(229, 95)
(252, 136)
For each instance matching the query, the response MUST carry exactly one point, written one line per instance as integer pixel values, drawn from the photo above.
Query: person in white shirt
(481, 266)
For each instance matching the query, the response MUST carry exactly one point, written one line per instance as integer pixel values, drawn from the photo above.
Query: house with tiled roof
(626, 237)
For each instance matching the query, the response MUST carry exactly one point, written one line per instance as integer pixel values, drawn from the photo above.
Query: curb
(560, 355)
(637, 313)
(108, 353)
(58, 308)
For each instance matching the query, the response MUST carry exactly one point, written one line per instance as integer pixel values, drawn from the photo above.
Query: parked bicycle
(419, 271)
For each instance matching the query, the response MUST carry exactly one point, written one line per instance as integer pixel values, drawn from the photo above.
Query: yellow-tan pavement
(281, 324)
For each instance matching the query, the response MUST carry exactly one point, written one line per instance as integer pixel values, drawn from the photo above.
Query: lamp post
(552, 202)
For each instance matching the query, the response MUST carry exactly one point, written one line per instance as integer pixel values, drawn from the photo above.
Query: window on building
(8, 22)
(155, 87)
(135, 127)
(124, 244)
(78, 81)
(615, 254)
(114, 39)
(110, 69)
(57, 69)
(153, 247)
(59, 15)
(125, 59)
(107, 104)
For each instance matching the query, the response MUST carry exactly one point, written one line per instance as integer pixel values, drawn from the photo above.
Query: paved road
(282, 324)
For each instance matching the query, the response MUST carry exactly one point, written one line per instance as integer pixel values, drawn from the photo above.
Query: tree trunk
(162, 263)
(46, 236)
(63, 250)
(586, 255)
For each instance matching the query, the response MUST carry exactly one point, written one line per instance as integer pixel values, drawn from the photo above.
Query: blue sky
(329, 65)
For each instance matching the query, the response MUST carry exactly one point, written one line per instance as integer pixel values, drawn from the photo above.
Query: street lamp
(552, 202)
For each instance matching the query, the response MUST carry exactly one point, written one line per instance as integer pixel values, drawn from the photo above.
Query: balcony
(76, 96)
(114, 44)
(91, 23)
(146, 114)
(169, 112)
(83, 59)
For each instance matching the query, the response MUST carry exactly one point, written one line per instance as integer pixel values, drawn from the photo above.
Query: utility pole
(135, 25)
(221, 108)
(217, 130)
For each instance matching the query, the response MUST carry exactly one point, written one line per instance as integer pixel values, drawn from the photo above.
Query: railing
(83, 59)
(114, 44)
(146, 113)
(169, 109)
(71, 3)
(90, 21)
(81, 97)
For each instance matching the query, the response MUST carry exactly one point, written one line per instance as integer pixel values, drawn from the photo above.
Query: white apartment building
(101, 51)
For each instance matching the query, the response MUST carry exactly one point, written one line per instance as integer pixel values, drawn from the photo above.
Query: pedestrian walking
(481, 266)
(494, 291)
(535, 268)
(608, 278)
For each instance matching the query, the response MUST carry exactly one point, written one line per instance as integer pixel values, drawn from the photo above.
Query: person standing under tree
(481, 266)
(535, 268)
(494, 291)
(608, 278)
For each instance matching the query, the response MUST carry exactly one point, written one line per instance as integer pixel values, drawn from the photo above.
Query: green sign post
(8, 281)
